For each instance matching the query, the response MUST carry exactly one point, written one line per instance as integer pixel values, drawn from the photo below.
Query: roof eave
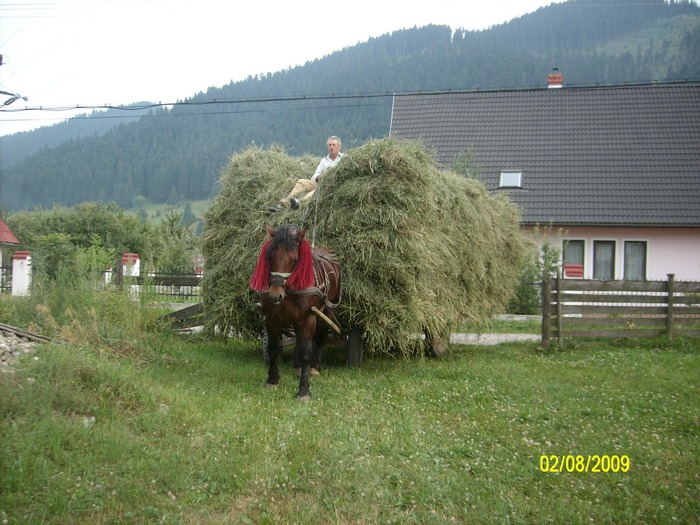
(609, 225)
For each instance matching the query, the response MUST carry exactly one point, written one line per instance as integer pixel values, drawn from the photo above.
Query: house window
(511, 179)
(635, 260)
(604, 260)
(572, 258)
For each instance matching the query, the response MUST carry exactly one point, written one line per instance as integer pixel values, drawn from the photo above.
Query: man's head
(334, 146)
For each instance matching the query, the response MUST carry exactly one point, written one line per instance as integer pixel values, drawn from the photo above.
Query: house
(7, 238)
(615, 169)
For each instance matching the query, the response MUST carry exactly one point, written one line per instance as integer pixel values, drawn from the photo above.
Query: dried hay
(234, 233)
(421, 249)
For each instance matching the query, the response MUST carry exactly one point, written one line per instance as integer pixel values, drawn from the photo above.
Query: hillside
(17, 147)
(181, 150)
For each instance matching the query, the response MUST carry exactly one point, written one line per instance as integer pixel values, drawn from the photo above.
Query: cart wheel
(354, 347)
(435, 346)
(265, 347)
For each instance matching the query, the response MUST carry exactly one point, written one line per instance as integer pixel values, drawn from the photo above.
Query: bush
(542, 259)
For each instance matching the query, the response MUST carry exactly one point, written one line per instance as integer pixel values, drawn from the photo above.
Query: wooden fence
(592, 308)
(172, 287)
(5, 278)
(176, 288)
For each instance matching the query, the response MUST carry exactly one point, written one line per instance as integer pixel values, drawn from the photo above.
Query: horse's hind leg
(314, 362)
(303, 355)
(317, 351)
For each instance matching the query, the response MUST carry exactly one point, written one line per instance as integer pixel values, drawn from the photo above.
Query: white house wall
(669, 250)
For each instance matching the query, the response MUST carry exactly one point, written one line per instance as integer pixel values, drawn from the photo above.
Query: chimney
(555, 79)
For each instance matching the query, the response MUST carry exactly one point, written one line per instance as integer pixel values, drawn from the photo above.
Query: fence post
(21, 273)
(546, 310)
(131, 264)
(560, 320)
(131, 267)
(671, 288)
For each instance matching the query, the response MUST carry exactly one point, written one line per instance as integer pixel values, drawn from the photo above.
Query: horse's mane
(303, 274)
(260, 279)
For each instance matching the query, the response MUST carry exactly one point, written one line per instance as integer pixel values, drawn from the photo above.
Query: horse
(299, 287)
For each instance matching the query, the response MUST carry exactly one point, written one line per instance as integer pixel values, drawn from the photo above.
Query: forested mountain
(15, 148)
(180, 150)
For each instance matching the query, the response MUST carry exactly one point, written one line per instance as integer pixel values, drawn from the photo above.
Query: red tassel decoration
(303, 275)
(260, 281)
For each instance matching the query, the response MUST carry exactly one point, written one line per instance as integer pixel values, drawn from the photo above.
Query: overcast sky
(61, 53)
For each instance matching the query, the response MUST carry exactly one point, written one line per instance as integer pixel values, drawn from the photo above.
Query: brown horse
(298, 287)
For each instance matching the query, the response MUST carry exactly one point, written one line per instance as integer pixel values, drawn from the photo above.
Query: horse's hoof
(304, 399)
(312, 372)
(270, 386)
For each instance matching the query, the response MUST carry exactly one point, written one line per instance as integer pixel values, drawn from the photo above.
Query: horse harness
(325, 265)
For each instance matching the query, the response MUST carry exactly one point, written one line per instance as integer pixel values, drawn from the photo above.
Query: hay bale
(234, 233)
(420, 248)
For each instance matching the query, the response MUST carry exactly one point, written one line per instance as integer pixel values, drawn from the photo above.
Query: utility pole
(13, 96)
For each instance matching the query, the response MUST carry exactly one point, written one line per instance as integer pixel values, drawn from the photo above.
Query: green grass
(185, 432)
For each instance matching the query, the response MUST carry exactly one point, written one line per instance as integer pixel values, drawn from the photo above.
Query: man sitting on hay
(310, 185)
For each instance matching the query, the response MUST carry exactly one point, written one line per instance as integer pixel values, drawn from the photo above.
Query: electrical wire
(97, 115)
(204, 102)
(296, 98)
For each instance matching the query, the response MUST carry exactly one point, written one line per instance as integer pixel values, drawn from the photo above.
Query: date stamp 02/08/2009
(575, 463)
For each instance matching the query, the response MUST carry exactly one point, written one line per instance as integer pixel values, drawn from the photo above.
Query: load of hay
(421, 249)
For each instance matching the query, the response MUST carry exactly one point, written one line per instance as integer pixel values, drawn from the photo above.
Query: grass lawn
(181, 430)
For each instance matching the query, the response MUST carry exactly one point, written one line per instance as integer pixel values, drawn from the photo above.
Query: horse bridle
(279, 278)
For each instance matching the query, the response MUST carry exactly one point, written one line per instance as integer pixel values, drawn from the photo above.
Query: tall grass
(181, 430)
(73, 311)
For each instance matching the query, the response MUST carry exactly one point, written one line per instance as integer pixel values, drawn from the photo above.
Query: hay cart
(426, 247)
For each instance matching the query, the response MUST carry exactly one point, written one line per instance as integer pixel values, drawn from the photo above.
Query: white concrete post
(131, 267)
(21, 273)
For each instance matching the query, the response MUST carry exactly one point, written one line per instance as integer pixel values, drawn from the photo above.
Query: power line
(298, 98)
(203, 102)
(349, 97)
(93, 116)
(53, 7)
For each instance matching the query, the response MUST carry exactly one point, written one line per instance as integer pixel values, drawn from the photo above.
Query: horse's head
(285, 262)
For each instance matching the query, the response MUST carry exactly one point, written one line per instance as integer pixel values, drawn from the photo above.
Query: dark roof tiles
(622, 155)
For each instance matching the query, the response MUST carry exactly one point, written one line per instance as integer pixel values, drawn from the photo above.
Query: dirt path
(491, 339)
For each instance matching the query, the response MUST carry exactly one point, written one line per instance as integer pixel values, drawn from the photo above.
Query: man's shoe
(294, 203)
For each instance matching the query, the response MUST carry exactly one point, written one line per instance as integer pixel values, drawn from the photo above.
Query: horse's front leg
(274, 350)
(304, 348)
